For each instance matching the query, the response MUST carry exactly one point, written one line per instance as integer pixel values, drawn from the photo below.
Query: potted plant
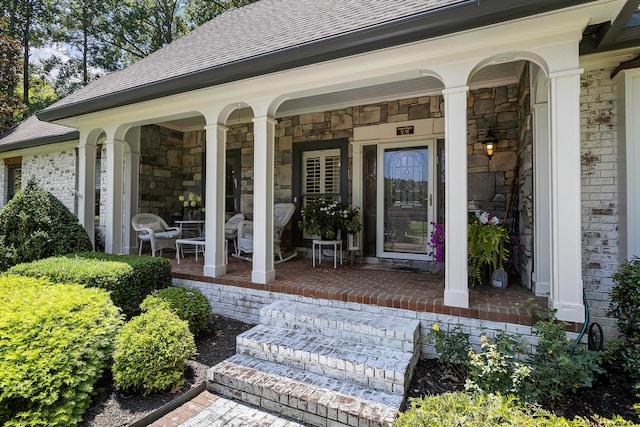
(488, 246)
(191, 204)
(329, 219)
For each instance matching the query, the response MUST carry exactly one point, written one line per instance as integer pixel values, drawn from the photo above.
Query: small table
(199, 244)
(194, 225)
(320, 243)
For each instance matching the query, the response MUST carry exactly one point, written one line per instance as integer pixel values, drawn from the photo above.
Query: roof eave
(436, 23)
(45, 140)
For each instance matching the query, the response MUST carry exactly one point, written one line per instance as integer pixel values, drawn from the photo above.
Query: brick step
(380, 368)
(311, 398)
(354, 326)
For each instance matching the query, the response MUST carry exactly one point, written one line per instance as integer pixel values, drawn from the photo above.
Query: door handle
(430, 199)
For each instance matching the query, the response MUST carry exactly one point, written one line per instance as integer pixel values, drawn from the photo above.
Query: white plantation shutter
(320, 176)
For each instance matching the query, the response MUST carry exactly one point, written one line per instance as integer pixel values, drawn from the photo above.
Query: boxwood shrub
(55, 340)
(151, 352)
(487, 410)
(625, 307)
(35, 225)
(128, 278)
(189, 304)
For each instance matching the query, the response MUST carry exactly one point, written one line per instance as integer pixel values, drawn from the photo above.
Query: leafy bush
(189, 304)
(453, 349)
(559, 365)
(625, 306)
(485, 410)
(496, 369)
(128, 278)
(55, 340)
(151, 351)
(35, 225)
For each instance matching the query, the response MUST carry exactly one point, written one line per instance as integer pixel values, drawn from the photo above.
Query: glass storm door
(405, 201)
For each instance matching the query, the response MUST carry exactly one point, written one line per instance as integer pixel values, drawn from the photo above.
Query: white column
(214, 265)
(114, 199)
(566, 244)
(456, 289)
(263, 154)
(132, 183)
(87, 185)
(542, 200)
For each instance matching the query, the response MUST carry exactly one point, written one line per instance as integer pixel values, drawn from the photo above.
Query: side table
(320, 243)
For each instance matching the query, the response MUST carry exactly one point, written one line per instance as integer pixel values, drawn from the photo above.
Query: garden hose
(595, 339)
(584, 325)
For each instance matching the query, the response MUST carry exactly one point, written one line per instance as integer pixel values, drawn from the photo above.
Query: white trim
(41, 149)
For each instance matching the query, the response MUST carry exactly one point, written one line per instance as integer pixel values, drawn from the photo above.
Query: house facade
(384, 105)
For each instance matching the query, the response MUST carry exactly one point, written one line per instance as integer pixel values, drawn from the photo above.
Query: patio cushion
(156, 227)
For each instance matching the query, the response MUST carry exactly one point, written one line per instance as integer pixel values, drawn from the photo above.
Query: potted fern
(488, 246)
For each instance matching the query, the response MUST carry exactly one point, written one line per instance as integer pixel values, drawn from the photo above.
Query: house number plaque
(404, 130)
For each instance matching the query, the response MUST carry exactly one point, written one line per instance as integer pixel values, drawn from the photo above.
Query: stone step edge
(330, 357)
(293, 397)
(335, 318)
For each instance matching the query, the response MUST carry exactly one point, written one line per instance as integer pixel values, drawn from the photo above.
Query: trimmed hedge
(55, 340)
(188, 304)
(35, 225)
(151, 352)
(487, 410)
(128, 278)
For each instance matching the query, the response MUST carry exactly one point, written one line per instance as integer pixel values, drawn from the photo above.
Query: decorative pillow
(155, 226)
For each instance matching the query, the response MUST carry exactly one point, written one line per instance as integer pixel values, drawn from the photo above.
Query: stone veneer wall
(600, 258)
(161, 170)
(523, 251)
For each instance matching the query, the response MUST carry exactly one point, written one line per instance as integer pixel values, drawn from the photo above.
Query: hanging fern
(488, 246)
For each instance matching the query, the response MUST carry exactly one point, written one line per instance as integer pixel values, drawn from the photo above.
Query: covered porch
(369, 284)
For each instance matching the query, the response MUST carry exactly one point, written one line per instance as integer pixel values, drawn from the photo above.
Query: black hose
(584, 325)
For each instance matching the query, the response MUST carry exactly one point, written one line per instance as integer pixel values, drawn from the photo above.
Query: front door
(405, 200)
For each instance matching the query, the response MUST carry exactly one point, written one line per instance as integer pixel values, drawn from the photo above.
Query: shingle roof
(257, 29)
(272, 35)
(33, 132)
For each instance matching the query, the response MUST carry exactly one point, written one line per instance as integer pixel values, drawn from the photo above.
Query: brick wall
(55, 172)
(599, 192)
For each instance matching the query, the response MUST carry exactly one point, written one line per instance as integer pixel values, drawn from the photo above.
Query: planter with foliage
(325, 218)
(488, 246)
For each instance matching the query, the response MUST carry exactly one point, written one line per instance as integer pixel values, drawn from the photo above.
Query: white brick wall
(55, 172)
(599, 193)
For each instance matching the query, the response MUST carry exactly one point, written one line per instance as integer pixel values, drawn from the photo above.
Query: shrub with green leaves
(496, 369)
(487, 410)
(128, 278)
(35, 225)
(453, 349)
(625, 307)
(151, 352)
(559, 365)
(189, 304)
(55, 341)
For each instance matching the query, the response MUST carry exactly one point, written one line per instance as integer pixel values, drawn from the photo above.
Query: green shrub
(35, 225)
(189, 304)
(55, 340)
(128, 278)
(453, 349)
(559, 365)
(151, 351)
(495, 369)
(485, 410)
(625, 306)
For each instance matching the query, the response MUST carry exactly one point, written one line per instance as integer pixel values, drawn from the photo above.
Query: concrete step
(377, 367)
(311, 398)
(354, 326)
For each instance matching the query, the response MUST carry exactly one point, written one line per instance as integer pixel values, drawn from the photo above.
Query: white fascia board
(41, 149)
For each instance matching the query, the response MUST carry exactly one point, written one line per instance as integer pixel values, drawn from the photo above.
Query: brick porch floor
(364, 284)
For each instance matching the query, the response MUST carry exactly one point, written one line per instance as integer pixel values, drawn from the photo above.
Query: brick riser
(310, 398)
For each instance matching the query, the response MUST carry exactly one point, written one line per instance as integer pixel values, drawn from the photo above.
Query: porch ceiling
(332, 98)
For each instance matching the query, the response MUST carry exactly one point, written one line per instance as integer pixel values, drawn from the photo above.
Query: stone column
(86, 185)
(264, 141)
(214, 265)
(114, 199)
(566, 244)
(456, 289)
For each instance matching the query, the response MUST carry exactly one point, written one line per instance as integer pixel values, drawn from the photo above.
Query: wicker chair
(282, 213)
(153, 229)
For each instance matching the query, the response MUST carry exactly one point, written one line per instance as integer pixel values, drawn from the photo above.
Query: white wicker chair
(153, 229)
(282, 213)
(231, 230)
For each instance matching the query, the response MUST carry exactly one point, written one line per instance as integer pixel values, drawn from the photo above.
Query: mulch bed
(111, 408)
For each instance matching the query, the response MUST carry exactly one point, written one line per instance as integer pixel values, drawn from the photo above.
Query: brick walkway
(367, 285)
